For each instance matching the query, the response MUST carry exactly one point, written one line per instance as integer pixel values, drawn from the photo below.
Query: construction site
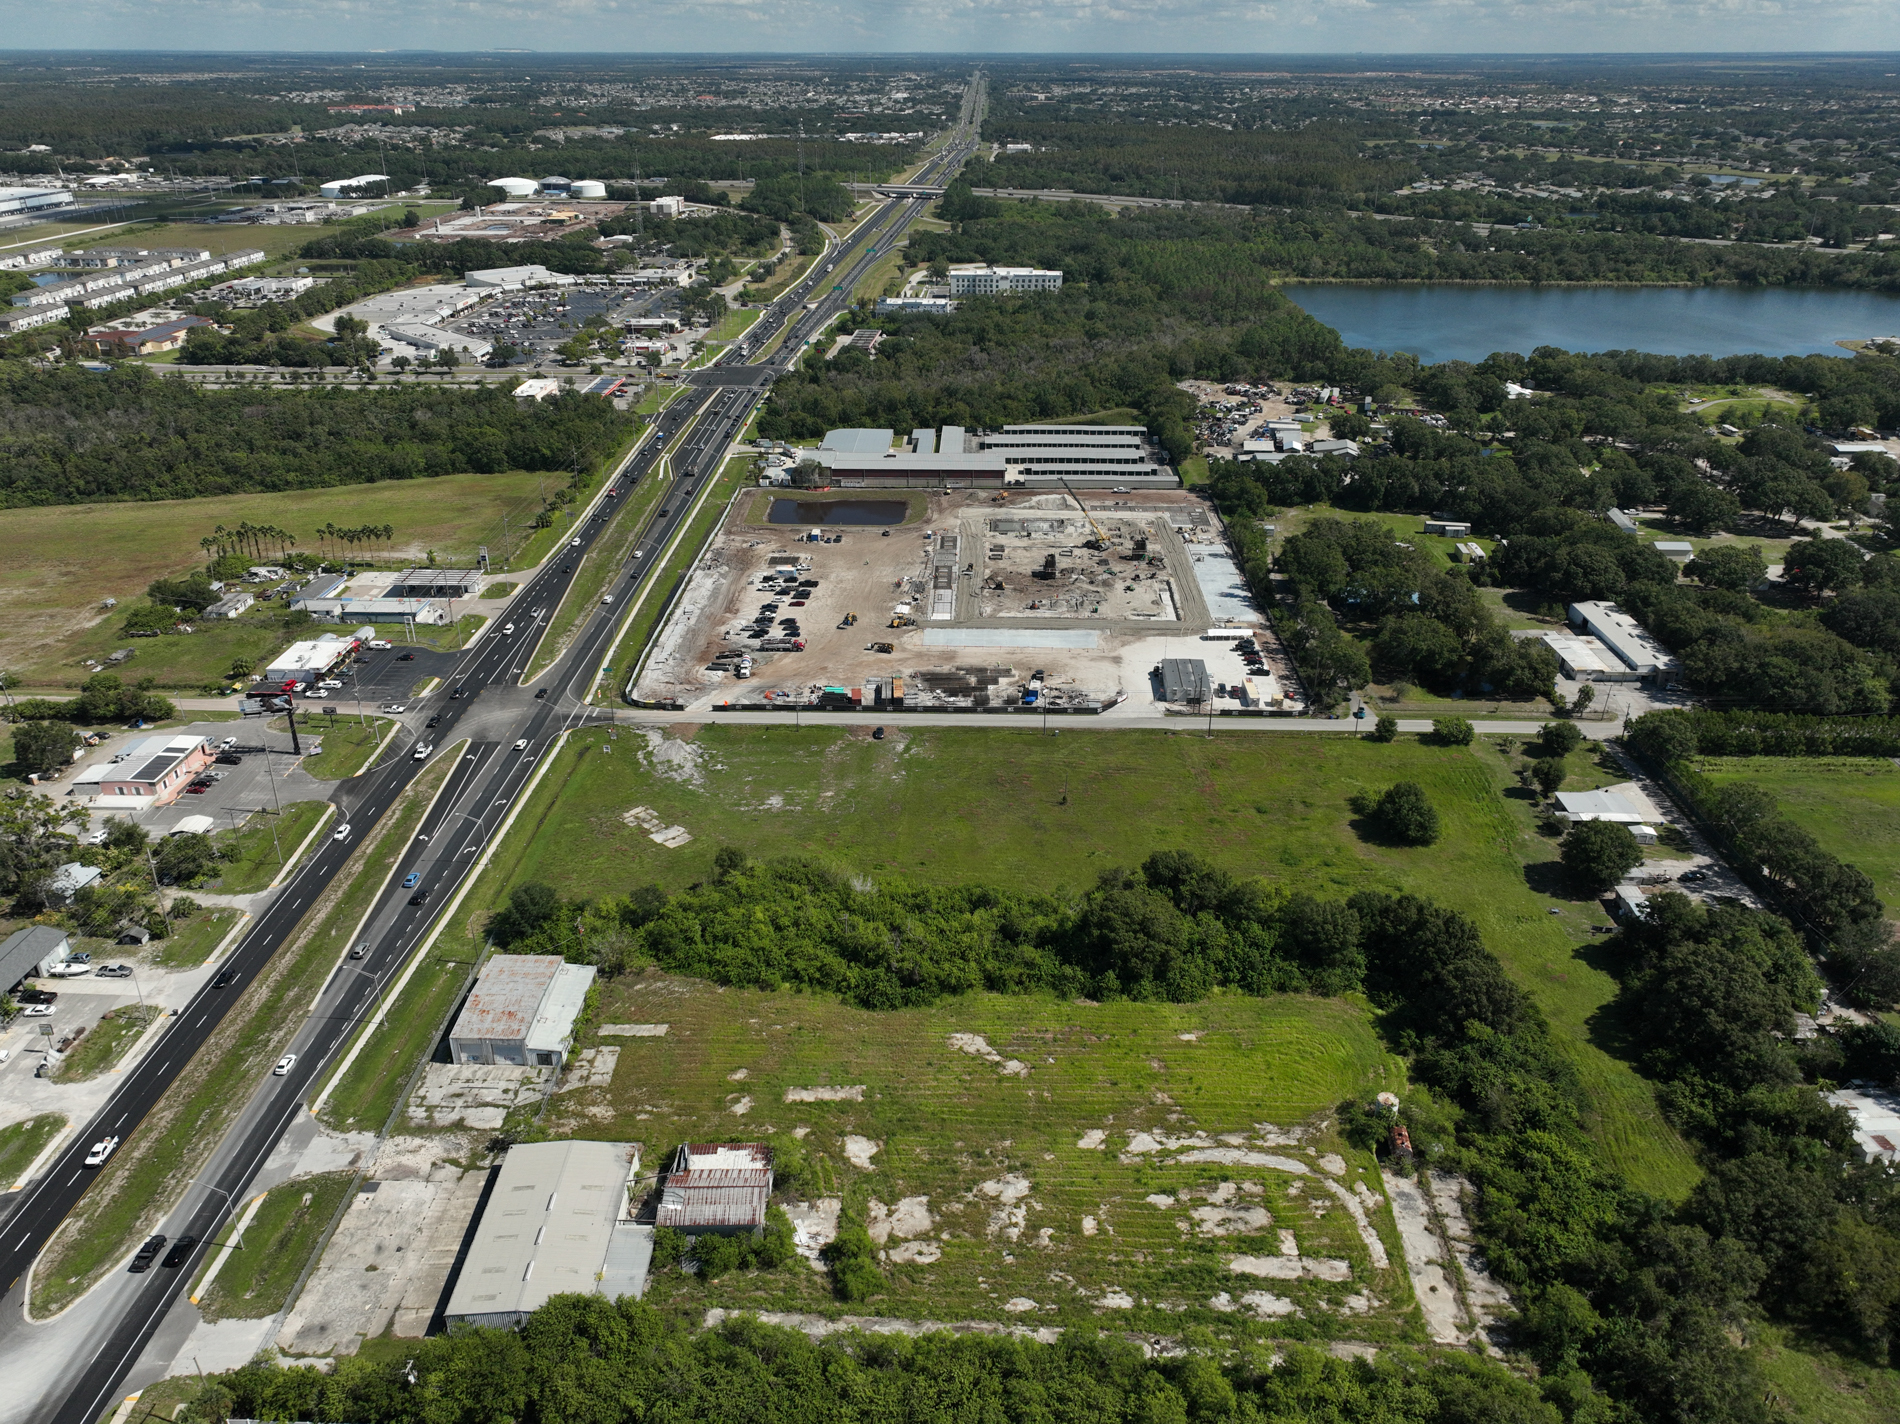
(1111, 603)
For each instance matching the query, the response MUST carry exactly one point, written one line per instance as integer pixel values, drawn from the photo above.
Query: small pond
(837, 511)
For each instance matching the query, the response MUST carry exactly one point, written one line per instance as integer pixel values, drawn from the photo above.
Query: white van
(381, 644)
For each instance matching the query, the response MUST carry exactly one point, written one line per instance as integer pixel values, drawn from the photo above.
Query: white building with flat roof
(983, 281)
(531, 275)
(15, 201)
(359, 186)
(1633, 644)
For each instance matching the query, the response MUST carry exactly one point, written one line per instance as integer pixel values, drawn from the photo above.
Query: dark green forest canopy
(75, 435)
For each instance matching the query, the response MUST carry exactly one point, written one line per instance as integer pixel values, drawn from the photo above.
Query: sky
(1144, 27)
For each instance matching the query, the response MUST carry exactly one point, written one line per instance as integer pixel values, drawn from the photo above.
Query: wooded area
(72, 435)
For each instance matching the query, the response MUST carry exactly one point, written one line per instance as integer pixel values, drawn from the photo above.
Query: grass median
(133, 1191)
(600, 565)
(256, 1278)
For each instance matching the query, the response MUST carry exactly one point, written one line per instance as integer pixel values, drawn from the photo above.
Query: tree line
(77, 435)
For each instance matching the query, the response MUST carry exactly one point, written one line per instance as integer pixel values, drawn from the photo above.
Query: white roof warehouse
(558, 1220)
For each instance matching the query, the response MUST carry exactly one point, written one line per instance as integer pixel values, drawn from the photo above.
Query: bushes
(1452, 731)
(853, 1261)
(1403, 815)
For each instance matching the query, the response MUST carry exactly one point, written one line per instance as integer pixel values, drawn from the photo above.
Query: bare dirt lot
(968, 599)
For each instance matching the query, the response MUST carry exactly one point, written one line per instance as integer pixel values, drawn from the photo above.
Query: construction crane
(1101, 540)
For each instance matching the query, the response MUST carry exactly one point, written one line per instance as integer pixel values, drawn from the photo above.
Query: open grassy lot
(191, 942)
(1019, 1209)
(1851, 805)
(21, 1142)
(256, 1279)
(948, 805)
(1819, 1386)
(65, 560)
(117, 1030)
(347, 742)
(254, 850)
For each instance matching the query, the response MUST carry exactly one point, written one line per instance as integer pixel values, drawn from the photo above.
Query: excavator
(1101, 540)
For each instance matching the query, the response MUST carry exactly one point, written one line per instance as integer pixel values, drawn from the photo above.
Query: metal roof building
(32, 951)
(522, 1011)
(1184, 680)
(557, 1221)
(717, 1187)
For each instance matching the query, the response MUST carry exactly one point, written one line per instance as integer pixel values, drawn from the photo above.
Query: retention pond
(836, 511)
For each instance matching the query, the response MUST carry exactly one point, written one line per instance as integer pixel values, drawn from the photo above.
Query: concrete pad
(386, 1257)
(1012, 638)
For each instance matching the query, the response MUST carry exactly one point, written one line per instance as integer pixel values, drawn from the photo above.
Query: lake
(1446, 322)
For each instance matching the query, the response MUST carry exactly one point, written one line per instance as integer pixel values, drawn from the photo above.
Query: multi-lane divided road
(480, 702)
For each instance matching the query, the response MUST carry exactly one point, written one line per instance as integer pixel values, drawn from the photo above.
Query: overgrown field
(66, 560)
(1017, 809)
(1021, 1196)
(256, 1280)
(1851, 805)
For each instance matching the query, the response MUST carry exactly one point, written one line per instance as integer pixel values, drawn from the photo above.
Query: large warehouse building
(558, 1221)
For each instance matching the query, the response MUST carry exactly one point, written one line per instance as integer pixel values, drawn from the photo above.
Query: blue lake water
(1446, 322)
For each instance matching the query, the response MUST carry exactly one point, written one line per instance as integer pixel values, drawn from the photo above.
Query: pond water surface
(836, 511)
(1445, 322)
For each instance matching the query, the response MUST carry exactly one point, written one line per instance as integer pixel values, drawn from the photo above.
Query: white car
(330, 682)
(227, 744)
(522, 745)
(606, 598)
(315, 692)
(37, 1011)
(422, 750)
(100, 1151)
(397, 707)
(380, 644)
(341, 833)
(284, 1065)
(508, 630)
(96, 838)
(574, 543)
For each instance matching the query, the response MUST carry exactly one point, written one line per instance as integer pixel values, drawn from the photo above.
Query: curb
(290, 862)
(51, 1149)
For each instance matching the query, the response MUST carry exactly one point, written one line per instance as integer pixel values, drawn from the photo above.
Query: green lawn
(117, 1030)
(254, 852)
(191, 943)
(255, 1280)
(949, 1121)
(1850, 804)
(946, 805)
(23, 1141)
(347, 741)
(65, 560)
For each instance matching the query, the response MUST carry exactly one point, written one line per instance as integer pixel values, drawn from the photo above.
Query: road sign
(837, 287)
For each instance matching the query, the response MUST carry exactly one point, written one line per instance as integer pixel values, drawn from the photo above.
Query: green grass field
(948, 805)
(347, 741)
(948, 1122)
(1851, 805)
(191, 943)
(67, 559)
(254, 851)
(256, 1279)
(21, 1142)
(117, 1030)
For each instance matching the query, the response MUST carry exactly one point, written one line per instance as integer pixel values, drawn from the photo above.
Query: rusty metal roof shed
(507, 995)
